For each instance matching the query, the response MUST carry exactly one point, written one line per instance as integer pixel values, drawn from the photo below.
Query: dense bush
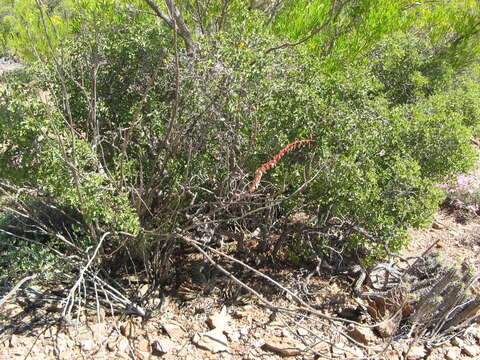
(140, 136)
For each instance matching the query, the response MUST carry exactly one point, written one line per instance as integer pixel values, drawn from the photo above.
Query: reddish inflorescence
(259, 172)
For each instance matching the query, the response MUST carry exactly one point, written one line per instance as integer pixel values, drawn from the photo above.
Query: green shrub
(41, 152)
(138, 136)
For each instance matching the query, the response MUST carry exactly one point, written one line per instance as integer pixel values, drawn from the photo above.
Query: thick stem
(176, 22)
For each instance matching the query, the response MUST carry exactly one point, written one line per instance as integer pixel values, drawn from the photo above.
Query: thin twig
(331, 16)
(69, 301)
(12, 292)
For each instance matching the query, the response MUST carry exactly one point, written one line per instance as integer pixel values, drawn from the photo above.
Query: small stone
(141, 355)
(286, 333)
(257, 334)
(142, 290)
(213, 341)
(436, 354)
(13, 341)
(302, 332)
(87, 345)
(55, 308)
(321, 347)
(234, 336)
(161, 347)
(156, 302)
(236, 348)
(437, 225)
(338, 350)
(174, 331)
(280, 351)
(282, 346)
(64, 342)
(453, 353)
(18, 352)
(123, 345)
(391, 355)
(471, 350)
(475, 331)
(143, 345)
(440, 245)
(362, 335)
(359, 353)
(257, 343)
(111, 346)
(386, 328)
(237, 314)
(220, 321)
(417, 352)
(244, 331)
(99, 332)
(458, 342)
(128, 330)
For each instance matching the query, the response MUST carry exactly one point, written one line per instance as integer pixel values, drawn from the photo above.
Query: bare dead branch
(303, 305)
(17, 286)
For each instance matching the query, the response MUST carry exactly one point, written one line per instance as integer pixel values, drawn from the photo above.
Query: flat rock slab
(283, 347)
(213, 341)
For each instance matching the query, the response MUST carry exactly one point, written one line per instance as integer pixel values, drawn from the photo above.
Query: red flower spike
(273, 162)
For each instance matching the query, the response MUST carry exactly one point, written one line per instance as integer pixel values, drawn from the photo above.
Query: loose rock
(471, 350)
(111, 346)
(87, 345)
(161, 347)
(417, 352)
(55, 308)
(391, 355)
(302, 332)
(174, 331)
(458, 342)
(100, 332)
(213, 341)
(386, 328)
(13, 341)
(453, 353)
(128, 330)
(282, 346)
(123, 345)
(220, 321)
(362, 335)
(143, 345)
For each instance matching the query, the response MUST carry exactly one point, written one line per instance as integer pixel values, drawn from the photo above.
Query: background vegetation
(146, 121)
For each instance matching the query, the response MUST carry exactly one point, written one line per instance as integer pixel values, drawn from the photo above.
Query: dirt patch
(458, 236)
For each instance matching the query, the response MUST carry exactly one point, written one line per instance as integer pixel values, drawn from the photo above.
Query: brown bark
(176, 22)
